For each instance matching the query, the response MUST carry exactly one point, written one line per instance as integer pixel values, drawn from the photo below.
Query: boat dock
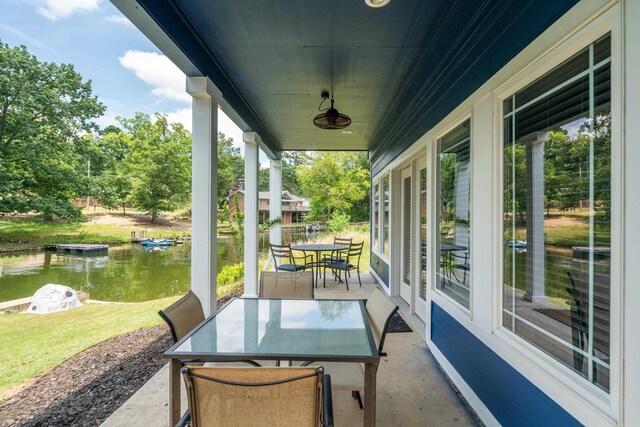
(77, 248)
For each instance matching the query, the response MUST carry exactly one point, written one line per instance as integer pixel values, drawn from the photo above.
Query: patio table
(318, 248)
(281, 329)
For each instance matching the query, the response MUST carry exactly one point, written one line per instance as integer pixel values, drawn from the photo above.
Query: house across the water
(294, 208)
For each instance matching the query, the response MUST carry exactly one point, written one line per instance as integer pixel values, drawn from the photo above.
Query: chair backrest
(281, 251)
(355, 251)
(239, 396)
(286, 284)
(380, 309)
(601, 306)
(342, 241)
(183, 315)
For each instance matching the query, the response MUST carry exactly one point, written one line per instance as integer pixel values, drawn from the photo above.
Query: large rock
(52, 298)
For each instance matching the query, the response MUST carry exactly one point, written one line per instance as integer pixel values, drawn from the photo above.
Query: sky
(128, 73)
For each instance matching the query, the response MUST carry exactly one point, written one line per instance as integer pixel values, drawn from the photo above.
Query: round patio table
(318, 248)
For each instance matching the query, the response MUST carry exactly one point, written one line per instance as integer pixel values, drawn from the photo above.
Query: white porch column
(250, 213)
(275, 200)
(535, 219)
(204, 188)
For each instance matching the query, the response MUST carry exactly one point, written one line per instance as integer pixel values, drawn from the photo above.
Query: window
(423, 233)
(453, 216)
(385, 214)
(557, 205)
(376, 215)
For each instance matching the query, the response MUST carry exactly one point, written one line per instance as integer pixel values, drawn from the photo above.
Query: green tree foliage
(263, 179)
(291, 161)
(566, 169)
(338, 222)
(112, 185)
(159, 163)
(45, 109)
(230, 167)
(335, 181)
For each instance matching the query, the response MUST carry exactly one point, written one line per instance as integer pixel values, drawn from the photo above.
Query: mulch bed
(85, 389)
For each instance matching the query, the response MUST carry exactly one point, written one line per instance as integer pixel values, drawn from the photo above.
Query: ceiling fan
(330, 118)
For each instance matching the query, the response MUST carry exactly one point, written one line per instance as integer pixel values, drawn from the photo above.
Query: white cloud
(225, 125)
(158, 71)
(118, 19)
(58, 9)
(182, 115)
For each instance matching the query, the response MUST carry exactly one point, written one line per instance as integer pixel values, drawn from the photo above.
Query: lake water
(128, 273)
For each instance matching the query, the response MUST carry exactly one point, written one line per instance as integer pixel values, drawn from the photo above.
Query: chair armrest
(304, 256)
(327, 402)
(185, 421)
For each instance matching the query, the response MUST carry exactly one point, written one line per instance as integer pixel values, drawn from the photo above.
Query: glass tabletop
(260, 328)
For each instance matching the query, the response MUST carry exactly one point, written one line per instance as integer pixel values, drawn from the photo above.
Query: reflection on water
(129, 273)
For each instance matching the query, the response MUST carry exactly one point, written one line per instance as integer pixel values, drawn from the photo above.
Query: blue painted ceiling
(396, 70)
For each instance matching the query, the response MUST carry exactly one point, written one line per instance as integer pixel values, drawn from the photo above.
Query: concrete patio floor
(412, 391)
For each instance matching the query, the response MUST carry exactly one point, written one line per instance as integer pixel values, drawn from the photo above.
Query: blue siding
(381, 268)
(512, 399)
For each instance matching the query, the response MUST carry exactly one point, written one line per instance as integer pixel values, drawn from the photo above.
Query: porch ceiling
(388, 67)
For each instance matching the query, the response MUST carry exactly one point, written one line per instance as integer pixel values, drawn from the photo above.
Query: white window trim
(379, 250)
(607, 403)
(438, 296)
(375, 181)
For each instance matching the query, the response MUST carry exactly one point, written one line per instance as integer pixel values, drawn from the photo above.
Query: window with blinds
(406, 231)
(423, 234)
(385, 214)
(376, 215)
(453, 214)
(557, 212)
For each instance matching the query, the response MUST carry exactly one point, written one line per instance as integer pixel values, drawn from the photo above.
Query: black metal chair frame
(338, 255)
(285, 252)
(355, 250)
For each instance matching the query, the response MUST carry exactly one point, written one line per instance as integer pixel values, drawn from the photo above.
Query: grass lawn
(576, 235)
(20, 232)
(33, 344)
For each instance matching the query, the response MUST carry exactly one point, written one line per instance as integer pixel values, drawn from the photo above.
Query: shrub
(230, 274)
(338, 222)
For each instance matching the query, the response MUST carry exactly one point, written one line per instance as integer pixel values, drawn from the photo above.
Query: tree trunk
(154, 218)
(124, 210)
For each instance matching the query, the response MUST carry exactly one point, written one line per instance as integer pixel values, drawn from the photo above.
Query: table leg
(174, 391)
(370, 371)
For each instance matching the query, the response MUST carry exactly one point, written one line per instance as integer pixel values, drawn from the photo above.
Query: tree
(263, 179)
(112, 184)
(45, 109)
(291, 162)
(230, 167)
(334, 181)
(159, 163)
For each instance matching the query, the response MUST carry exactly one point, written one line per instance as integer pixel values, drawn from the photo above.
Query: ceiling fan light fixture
(376, 3)
(332, 119)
